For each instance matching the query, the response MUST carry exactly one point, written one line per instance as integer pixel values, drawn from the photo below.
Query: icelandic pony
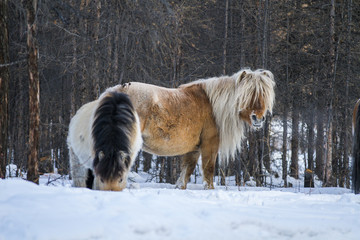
(104, 139)
(356, 148)
(203, 117)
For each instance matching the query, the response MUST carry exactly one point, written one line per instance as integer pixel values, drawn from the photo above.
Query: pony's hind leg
(79, 178)
(78, 171)
(188, 165)
(83, 178)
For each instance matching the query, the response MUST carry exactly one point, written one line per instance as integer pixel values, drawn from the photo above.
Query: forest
(57, 55)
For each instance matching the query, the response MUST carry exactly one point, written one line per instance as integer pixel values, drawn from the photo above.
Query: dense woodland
(71, 51)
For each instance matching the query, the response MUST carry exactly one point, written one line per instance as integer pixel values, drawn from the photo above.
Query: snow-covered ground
(54, 210)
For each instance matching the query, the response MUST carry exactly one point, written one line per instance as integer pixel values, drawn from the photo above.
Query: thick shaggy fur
(200, 118)
(104, 139)
(356, 149)
(113, 123)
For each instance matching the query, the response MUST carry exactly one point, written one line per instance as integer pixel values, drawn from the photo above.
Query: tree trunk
(319, 159)
(310, 134)
(4, 86)
(21, 129)
(284, 147)
(260, 156)
(244, 160)
(294, 166)
(175, 172)
(253, 157)
(264, 51)
(162, 170)
(74, 76)
(63, 164)
(147, 161)
(341, 155)
(168, 169)
(266, 145)
(285, 107)
(96, 74)
(328, 162)
(222, 173)
(117, 79)
(34, 92)
(238, 170)
(347, 114)
(110, 47)
(84, 88)
(225, 35)
(329, 145)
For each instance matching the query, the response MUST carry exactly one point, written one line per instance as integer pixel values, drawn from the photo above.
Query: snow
(54, 210)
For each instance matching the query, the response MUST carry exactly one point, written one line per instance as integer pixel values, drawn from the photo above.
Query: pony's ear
(266, 73)
(101, 155)
(242, 75)
(123, 155)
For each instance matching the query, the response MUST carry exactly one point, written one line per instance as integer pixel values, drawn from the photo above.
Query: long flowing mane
(231, 94)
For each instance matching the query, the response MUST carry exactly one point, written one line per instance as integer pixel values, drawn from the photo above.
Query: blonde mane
(231, 94)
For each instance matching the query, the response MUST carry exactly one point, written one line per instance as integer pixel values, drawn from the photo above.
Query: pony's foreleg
(78, 171)
(188, 165)
(208, 164)
(208, 158)
(209, 149)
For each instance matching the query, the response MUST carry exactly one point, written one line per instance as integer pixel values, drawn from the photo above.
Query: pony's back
(356, 150)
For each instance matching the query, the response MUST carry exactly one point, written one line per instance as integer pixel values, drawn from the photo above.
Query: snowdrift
(158, 211)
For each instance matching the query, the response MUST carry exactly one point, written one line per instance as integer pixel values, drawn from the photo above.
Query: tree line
(69, 52)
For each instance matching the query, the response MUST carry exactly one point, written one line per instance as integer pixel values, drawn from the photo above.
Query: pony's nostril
(263, 118)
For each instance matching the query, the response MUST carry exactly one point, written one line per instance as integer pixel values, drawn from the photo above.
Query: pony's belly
(168, 147)
(161, 151)
(171, 134)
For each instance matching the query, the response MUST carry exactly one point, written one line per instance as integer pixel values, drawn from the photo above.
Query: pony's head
(111, 178)
(256, 96)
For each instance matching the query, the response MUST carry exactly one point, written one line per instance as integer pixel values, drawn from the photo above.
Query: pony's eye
(253, 117)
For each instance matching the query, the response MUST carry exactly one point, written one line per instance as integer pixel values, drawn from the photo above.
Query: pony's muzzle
(256, 122)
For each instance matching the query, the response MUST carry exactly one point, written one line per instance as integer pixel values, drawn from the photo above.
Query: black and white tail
(356, 151)
(114, 121)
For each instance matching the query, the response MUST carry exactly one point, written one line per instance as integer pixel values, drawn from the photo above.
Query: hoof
(208, 187)
(180, 185)
(79, 182)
